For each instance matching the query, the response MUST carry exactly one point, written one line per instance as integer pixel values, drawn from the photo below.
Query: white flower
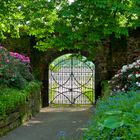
(134, 63)
(138, 61)
(118, 90)
(116, 75)
(130, 75)
(124, 67)
(130, 66)
(125, 86)
(123, 70)
(113, 82)
(137, 75)
(138, 84)
(123, 89)
(137, 66)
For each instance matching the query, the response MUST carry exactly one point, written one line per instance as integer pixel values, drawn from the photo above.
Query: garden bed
(17, 106)
(116, 118)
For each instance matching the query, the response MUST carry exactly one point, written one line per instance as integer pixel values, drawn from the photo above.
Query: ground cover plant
(116, 118)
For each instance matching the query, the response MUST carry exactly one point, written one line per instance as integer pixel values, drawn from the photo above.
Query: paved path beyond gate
(51, 123)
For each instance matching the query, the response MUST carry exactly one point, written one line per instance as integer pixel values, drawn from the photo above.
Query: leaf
(136, 130)
(137, 106)
(113, 112)
(138, 117)
(112, 122)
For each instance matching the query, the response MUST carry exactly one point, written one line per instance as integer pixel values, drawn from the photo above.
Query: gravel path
(52, 123)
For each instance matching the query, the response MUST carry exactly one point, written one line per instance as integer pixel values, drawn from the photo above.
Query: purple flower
(21, 57)
(1, 47)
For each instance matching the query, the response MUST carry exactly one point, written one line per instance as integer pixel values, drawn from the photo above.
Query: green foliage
(65, 60)
(116, 117)
(127, 78)
(27, 17)
(80, 25)
(13, 72)
(84, 24)
(106, 88)
(10, 98)
(10, 18)
(53, 94)
(88, 92)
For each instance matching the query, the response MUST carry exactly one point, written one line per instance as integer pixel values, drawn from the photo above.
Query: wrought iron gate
(71, 80)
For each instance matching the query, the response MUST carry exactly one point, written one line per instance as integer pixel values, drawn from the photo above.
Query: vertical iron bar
(71, 80)
(93, 85)
(72, 89)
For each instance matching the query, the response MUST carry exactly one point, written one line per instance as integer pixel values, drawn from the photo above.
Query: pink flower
(1, 47)
(7, 60)
(21, 57)
(137, 72)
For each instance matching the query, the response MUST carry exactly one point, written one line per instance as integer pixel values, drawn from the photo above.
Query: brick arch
(50, 57)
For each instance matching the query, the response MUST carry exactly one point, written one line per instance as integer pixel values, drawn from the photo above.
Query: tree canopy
(82, 24)
(35, 17)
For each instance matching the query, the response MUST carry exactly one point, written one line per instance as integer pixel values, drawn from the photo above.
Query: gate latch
(71, 89)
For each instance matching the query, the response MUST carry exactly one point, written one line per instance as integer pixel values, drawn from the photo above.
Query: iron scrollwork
(71, 81)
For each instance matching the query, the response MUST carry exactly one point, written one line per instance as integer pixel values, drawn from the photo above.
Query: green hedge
(10, 98)
(116, 118)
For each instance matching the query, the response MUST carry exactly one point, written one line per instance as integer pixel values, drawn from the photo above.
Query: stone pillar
(97, 82)
(45, 89)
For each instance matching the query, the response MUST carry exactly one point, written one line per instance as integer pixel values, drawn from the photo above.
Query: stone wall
(22, 113)
(112, 57)
(108, 60)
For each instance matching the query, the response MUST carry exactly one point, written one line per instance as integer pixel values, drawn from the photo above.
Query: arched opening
(71, 80)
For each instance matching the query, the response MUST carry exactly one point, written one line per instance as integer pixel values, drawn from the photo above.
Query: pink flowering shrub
(14, 69)
(127, 78)
(21, 57)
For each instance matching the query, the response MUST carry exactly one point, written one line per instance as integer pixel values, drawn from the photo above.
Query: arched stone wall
(108, 60)
(52, 55)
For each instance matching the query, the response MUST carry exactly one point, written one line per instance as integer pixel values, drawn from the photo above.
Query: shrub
(127, 78)
(22, 58)
(14, 71)
(10, 98)
(116, 118)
